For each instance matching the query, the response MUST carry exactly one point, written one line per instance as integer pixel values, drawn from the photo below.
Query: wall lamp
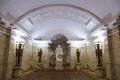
(19, 52)
(98, 51)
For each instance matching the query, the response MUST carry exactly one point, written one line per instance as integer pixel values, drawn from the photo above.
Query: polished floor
(58, 75)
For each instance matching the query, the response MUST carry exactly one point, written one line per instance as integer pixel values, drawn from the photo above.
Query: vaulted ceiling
(76, 19)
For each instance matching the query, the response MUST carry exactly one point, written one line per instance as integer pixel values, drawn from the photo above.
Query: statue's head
(59, 46)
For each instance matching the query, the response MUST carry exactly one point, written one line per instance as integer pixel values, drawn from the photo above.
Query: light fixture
(98, 51)
(19, 46)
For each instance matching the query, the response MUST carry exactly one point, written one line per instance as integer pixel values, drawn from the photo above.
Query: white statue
(59, 53)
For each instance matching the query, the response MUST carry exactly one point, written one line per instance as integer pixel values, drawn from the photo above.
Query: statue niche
(60, 41)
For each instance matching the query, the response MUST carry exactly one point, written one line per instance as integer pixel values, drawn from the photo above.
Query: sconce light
(98, 51)
(78, 55)
(19, 53)
(98, 45)
(19, 45)
(40, 55)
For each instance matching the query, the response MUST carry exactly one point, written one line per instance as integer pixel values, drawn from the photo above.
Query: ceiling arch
(48, 20)
(52, 27)
(74, 19)
(68, 6)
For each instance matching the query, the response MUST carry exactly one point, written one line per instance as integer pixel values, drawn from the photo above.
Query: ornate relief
(64, 12)
(59, 12)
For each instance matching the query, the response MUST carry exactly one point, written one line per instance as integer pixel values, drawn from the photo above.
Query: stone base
(78, 65)
(59, 65)
(17, 73)
(100, 72)
(39, 66)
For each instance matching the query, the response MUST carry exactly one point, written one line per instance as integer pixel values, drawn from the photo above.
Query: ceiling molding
(89, 13)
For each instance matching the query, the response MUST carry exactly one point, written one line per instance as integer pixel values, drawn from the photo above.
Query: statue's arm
(56, 51)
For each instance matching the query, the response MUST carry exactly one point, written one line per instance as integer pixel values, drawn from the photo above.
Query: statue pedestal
(78, 65)
(59, 65)
(100, 72)
(17, 72)
(39, 66)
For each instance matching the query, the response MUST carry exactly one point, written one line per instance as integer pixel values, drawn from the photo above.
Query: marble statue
(59, 53)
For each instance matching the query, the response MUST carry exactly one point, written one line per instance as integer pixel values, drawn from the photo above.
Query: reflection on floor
(57, 75)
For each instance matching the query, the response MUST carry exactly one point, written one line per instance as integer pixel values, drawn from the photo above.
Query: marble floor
(58, 75)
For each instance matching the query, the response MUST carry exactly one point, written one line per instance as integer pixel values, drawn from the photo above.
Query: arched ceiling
(76, 19)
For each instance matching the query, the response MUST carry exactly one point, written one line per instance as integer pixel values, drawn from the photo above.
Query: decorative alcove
(61, 40)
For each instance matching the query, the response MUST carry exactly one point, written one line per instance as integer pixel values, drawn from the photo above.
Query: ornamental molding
(64, 11)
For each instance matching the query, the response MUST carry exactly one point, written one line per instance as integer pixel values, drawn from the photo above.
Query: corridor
(59, 39)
